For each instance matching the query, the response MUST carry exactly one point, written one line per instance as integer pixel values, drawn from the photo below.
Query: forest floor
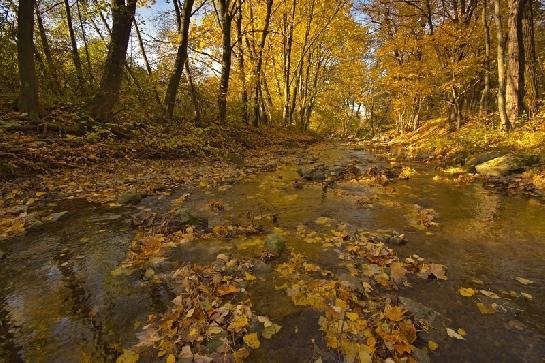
(261, 246)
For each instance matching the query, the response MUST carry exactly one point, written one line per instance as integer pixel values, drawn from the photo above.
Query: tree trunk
(181, 58)
(75, 54)
(28, 99)
(258, 92)
(242, 71)
(110, 84)
(530, 58)
(287, 64)
(500, 50)
(226, 21)
(146, 61)
(514, 88)
(483, 105)
(194, 95)
(54, 80)
(85, 44)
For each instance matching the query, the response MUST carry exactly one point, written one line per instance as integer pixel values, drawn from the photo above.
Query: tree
(75, 54)
(110, 84)
(514, 88)
(28, 99)
(181, 58)
(500, 51)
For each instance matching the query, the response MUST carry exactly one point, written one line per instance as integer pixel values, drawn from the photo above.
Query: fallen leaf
(526, 295)
(171, 359)
(352, 316)
(432, 345)
(453, 334)
(489, 294)
(269, 331)
(486, 308)
(394, 313)
(524, 281)
(252, 340)
(466, 291)
(128, 356)
(249, 277)
(226, 289)
(238, 323)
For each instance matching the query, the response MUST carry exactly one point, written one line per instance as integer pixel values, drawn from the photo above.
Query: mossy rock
(275, 244)
(130, 197)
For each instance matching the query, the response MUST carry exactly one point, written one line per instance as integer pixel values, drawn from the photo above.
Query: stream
(60, 302)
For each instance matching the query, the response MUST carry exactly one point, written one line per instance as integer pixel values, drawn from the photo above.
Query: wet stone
(420, 311)
(275, 244)
(55, 217)
(130, 197)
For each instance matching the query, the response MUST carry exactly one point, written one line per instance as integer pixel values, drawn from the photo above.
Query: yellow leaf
(238, 323)
(252, 341)
(128, 356)
(432, 345)
(249, 277)
(394, 313)
(352, 316)
(171, 358)
(466, 291)
(524, 281)
(271, 330)
(486, 308)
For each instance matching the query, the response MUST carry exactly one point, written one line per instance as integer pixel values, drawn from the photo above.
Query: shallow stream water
(60, 302)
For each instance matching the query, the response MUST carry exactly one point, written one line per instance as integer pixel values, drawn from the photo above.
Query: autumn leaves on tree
(341, 65)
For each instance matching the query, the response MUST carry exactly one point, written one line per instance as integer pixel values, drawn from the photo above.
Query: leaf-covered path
(324, 254)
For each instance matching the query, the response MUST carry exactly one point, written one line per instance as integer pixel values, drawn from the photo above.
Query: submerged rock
(130, 197)
(55, 217)
(501, 166)
(275, 244)
(317, 173)
(420, 311)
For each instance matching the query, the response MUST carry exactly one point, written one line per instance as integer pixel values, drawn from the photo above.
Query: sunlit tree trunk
(28, 98)
(483, 105)
(530, 59)
(259, 65)
(110, 84)
(226, 20)
(75, 54)
(514, 88)
(181, 58)
(500, 50)
(288, 42)
(241, 67)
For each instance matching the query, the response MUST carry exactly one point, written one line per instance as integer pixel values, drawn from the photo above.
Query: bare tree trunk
(514, 88)
(85, 44)
(289, 23)
(146, 61)
(28, 99)
(194, 95)
(226, 21)
(483, 106)
(181, 58)
(500, 50)
(530, 58)
(242, 71)
(75, 54)
(110, 84)
(260, 63)
(54, 80)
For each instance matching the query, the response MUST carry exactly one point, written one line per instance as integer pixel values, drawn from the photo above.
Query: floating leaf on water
(453, 334)
(489, 294)
(226, 289)
(252, 340)
(524, 281)
(526, 295)
(249, 277)
(271, 330)
(466, 291)
(432, 345)
(486, 308)
(128, 356)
